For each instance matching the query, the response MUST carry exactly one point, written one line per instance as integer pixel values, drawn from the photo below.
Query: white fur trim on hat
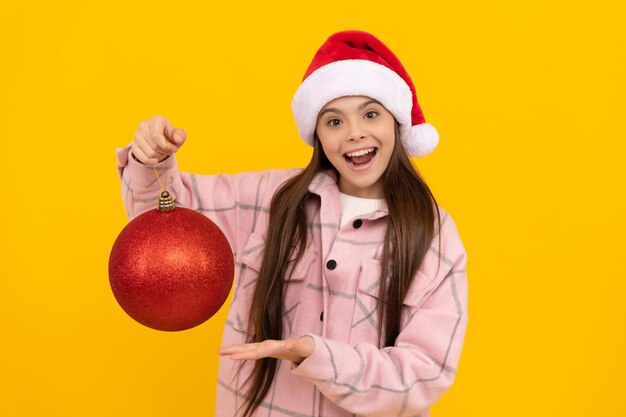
(351, 77)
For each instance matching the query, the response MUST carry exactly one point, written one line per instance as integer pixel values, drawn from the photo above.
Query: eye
(371, 114)
(331, 122)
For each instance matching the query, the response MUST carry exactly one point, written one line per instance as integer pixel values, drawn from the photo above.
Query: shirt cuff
(126, 160)
(321, 365)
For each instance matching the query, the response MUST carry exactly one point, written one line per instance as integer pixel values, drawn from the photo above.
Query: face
(357, 134)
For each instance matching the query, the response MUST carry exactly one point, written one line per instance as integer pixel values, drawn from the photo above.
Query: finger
(142, 156)
(169, 147)
(229, 350)
(257, 353)
(144, 141)
(159, 132)
(154, 132)
(179, 136)
(268, 348)
(147, 149)
(157, 141)
(167, 129)
(175, 136)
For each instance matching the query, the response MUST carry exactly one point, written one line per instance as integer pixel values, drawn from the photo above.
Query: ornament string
(169, 165)
(166, 201)
(158, 179)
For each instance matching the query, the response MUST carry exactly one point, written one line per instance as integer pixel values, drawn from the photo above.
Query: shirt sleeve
(232, 201)
(409, 377)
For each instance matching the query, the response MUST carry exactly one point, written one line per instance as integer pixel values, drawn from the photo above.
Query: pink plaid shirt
(332, 295)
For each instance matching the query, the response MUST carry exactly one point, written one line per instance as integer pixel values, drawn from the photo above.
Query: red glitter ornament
(171, 268)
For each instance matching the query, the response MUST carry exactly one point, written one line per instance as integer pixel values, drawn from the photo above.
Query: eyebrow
(333, 109)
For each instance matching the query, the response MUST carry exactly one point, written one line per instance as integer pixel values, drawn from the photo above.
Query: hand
(295, 350)
(156, 139)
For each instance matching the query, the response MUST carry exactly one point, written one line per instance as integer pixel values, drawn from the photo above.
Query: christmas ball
(171, 269)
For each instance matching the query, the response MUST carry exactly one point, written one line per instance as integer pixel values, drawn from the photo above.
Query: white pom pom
(422, 140)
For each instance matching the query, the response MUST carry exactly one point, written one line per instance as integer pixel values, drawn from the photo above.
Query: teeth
(360, 153)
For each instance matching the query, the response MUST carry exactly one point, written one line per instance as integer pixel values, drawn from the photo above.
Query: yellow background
(528, 97)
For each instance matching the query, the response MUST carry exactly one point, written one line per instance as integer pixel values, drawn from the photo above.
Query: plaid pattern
(348, 374)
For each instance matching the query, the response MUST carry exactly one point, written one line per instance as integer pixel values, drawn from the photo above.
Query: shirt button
(332, 264)
(322, 316)
(357, 223)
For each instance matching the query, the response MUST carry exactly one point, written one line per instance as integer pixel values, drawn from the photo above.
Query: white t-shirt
(355, 206)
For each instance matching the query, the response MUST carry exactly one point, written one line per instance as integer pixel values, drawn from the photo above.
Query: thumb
(303, 346)
(174, 136)
(179, 136)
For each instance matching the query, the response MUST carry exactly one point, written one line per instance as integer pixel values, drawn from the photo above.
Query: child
(351, 291)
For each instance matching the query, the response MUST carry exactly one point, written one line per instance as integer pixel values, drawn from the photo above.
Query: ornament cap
(166, 202)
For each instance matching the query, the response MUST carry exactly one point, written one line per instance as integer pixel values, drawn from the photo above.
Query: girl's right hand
(156, 139)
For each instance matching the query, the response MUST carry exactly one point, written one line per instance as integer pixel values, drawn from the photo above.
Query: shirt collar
(325, 182)
(323, 179)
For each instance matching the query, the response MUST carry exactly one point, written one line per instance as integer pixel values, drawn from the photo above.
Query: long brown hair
(410, 229)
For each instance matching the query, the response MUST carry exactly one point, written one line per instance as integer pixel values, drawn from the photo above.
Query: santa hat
(355, 63)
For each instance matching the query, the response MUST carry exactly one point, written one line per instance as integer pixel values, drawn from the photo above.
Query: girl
(351, 292)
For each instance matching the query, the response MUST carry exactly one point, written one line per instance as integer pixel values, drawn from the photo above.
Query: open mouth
(360, 157)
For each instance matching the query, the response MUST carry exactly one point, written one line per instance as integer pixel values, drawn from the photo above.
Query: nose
(356, 132)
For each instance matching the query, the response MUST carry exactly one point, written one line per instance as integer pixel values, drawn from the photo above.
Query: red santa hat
(355, 63)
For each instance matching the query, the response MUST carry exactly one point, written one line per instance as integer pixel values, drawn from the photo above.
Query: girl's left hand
(295, 350)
